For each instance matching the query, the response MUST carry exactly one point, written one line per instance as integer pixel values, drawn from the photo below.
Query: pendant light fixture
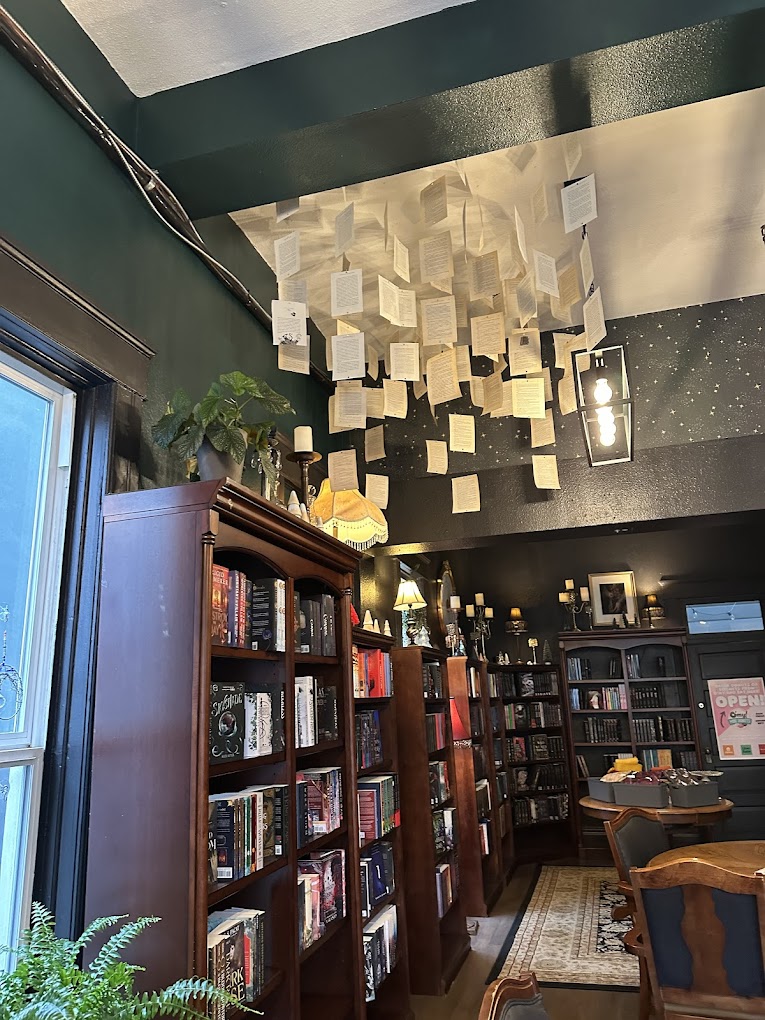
(604, 404)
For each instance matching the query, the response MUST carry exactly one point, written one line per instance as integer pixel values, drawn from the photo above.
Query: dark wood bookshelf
(151, 773)
(437, 946)
(392, 998)
(615, 651)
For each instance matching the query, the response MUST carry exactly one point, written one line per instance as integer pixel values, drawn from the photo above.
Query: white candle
(563, 596)
(569, 585)
(584, 594)
(479, 598)
(454, 602)
(303, 441)
(470, 610)
(489, 613)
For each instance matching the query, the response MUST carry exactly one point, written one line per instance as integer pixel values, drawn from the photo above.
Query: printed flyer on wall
(738, 707)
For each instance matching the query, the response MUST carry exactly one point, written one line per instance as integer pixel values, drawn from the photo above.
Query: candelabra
(480, 617)
(567, 599)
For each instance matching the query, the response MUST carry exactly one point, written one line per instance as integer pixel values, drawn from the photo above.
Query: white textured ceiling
(160, 44)
(681, 197)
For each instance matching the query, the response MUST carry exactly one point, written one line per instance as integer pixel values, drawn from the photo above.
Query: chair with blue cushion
(703, 929)
(513, 999)
(635, 837)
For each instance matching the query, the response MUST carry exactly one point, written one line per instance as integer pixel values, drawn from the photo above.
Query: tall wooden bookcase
(438, 946)
(481, 874)
(646, 672)
(534, 839)
(148, 852)
(392, 997)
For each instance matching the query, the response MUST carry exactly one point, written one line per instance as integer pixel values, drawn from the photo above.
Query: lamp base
(412, 630)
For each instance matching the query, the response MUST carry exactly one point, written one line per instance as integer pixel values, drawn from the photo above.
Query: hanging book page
(342, 470)
(466, 495)
(438, 457)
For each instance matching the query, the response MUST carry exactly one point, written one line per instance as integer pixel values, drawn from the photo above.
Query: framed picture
(613, 597)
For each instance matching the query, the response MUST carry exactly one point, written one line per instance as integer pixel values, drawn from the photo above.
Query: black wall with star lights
(698, 379)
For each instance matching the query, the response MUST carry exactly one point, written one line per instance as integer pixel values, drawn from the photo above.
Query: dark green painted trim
(467, 80)
(61, 38)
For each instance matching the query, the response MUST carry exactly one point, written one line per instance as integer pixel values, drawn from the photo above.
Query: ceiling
(681, 196)
(157, 46)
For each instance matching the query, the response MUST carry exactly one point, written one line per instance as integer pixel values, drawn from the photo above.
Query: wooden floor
(464, 999)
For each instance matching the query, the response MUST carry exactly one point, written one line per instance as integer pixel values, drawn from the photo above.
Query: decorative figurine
(293, 504)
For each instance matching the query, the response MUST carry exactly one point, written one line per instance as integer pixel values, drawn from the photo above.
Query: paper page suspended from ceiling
(344, 230)
(288, 322)
(436, 257)
(343, 473)
(395, 398)
(287, 255)
(524, 348)
(528, 398)
(580, 203)
(347, 293)
(543, 430)
(443, 384)
(377, 488)
(439, 321)
(462, 433)
(292, 358)
(466, 495)
(348, 356)
(374, 443)
(438, 457)
(545, 467)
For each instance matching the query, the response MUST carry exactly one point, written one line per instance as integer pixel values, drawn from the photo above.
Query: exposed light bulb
(602, 392)
(605, 416)
(607, 438)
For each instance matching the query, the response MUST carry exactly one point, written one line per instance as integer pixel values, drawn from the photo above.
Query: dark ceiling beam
(469, 79)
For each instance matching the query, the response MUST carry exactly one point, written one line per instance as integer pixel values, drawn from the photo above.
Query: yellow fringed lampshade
(350, 517)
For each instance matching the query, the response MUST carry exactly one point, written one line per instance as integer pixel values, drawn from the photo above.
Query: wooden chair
(635, 838)
(513, 999)
(703, 929)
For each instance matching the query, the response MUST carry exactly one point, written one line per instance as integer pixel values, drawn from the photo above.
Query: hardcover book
(226, 721)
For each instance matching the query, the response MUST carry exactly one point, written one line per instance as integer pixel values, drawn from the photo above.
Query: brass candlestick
(305, 458)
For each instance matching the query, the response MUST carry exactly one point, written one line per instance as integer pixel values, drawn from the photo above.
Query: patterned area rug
(565, 934)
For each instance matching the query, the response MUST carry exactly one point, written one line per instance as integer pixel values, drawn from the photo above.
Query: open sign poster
(738, 707)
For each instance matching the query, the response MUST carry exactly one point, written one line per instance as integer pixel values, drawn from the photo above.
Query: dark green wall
(69, 208)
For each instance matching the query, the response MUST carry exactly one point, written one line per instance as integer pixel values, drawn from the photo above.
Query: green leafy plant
(221, 418)
(48, 983)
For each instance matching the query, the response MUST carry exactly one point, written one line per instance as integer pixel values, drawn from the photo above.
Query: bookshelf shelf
(255, 655)
(664, 743)
(366, 843)
(657, 679)
(370, 702)
(221, 891)
(332, 929)
(274, 979)
(304, 658)
(321, 841)
(230, 768)
(531, 697)
(324, 745)
(599, 711)
(661, 710)
(602, 743)
(542, 821)
(379, 766)
(379, 907)
(534, 729)
(523, 794)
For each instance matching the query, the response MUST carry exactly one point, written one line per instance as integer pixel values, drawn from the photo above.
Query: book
(219, 621)
(226, 721)
(327, 722)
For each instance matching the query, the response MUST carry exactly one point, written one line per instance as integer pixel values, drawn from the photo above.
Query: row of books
(662, 727)
(380, 937)
(529, 810)
(444, 829)
(432, 680)
(315, 624)
(319, 796)
(484, 835)
(532, 715)
(378, 876)
(634, 671)
(372, 673)
(602, 731)
(483, 798)
(369, 745)
(606, 698)
(503, 786)
(578, 669)
(479, 762)
(316, 714)
(435, 730)
(438, 776)
(246, 829)
(473, 682)
(657, 758)
(236, 954)
(379, 807)
(248, 613)
(536, 747)
(495, 685)
(538, 777)
(651, 695)
(321, 894)
(447, 884)
(497, 718)
(519, 684)
(246, 720)
(476, 721)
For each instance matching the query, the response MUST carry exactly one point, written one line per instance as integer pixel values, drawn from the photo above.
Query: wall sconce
(409, 598)
(604, 404)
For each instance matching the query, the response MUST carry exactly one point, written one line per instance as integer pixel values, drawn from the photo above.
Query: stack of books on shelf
(372, 673)
(379, 810)
(527, 685)
(539, 777)
(315, 624)
(582, 768)
(447, 884)
(657, 758)
(532, 715)
(476, 721)
(531, 810)
(599, 698)
(495, 685)
(602, 731)
(537, 747)
(378, 876)
(483, 798)
(479, 761)
(474, 682)
(246, 720)
(369, 746)
(321, 894)
(663, 729)
(503, 786)
(438, 773)
(248, 828)
(316, 712)
(380, 937)
(498, 754)
(236, 954)
(432, 680)
(649, 696)
(578, 668)
(319, 795)
(435, 730)
(495, 716)
(444, 830)
(634, 671)
(248, 613)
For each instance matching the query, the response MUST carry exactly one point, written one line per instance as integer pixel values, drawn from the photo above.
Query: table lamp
(350, 517)
(460, 732)
(408, 599)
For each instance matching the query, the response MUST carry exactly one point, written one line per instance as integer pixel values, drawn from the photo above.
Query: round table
(743, 857)
(698, 816)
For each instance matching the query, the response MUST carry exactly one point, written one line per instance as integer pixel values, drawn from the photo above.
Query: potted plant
(217, 431)
(48, 983)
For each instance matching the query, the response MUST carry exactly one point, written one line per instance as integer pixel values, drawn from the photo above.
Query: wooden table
(698, 816)
(743, 857)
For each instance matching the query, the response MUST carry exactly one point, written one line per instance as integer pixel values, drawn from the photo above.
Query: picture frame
(613, 596)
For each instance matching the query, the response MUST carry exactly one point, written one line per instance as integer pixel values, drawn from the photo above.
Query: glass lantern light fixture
(604, 404)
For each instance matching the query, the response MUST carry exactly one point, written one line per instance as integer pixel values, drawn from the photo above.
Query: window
(724, 617)
(36, 422)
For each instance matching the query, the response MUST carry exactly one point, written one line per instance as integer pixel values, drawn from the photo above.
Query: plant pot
(212, 464)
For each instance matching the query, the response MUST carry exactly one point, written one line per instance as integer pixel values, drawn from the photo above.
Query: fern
(47, 982)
